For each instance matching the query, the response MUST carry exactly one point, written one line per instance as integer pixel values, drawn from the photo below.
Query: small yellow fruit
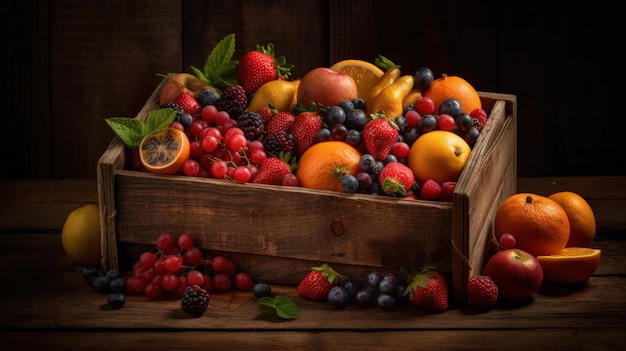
(81, 235)
(280, 93)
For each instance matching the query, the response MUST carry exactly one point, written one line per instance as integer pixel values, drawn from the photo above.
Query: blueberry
(101, 284)
(347, 105)
(91, 272)
(351, 287)
(185, 119)
(427, 123)
(358, 103)
(338, 297)
(373, 279)
(356, 119)
(113, 273)
(386, 302)
(366, 297)
(465, 122)
(423, 78)
(323, 134)
(207, 97)
(261, 290)
(354, 138)
(116, 301)
(117, 285)
(366, 162)
(450, 106)
(335, 115)
(349, 183)
(387, 286)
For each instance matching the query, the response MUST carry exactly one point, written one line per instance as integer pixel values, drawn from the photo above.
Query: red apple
(517, 274)
(178, 83)
(326, 86)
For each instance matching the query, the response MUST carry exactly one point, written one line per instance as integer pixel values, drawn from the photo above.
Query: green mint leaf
(220, 70)
(132, 131)
(285, 307)
(158, 120)
(128, 129)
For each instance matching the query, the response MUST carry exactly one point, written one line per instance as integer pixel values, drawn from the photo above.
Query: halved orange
(572, 265)
(364, 73)
(165, 152)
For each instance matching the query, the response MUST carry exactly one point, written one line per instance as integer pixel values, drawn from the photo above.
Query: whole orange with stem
(323, 165)
(438, 155)
(453, 87)
(582, 221)
(539, 225)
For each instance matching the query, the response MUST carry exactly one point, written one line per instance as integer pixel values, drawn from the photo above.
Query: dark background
(69, 64)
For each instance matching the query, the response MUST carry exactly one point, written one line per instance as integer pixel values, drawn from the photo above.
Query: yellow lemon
(81, 235)
(282, 94)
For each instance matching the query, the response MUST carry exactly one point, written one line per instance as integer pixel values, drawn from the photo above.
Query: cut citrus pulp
(165, 152)
(572, 265)
(365, 74)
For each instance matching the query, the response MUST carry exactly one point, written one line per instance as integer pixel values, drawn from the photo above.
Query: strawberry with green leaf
(273, 169)
(318, 282)
(396, 179)
(379, 135)
(428, 290)
(260, 66)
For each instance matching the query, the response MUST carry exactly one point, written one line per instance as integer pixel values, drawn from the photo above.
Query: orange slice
(572, 265)
(365, 74)
(166, 152)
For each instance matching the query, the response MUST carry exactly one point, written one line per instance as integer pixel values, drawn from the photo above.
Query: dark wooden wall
(69, 64)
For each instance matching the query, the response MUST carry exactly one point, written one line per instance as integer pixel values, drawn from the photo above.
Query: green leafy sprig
(285, 307)
(220, 70)
(131, 131)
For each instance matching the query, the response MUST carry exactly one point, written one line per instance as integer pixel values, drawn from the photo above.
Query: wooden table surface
(47, 305)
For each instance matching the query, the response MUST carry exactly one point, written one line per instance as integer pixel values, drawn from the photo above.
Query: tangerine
(571, 265)
(324, 164)
(539, 225)
(365, 74)
(438, 155)
(165, 152)
(453, 87)
(582, 221)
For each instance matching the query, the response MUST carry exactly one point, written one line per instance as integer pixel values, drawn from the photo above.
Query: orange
(582, 221)
(453, 87)
(280, 93)
(438, 155)
(572, 265)
(324, 164)
(539, 225)
(365, 74)
(165, 152)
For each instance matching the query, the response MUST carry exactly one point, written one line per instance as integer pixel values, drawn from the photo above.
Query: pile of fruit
(354, 127)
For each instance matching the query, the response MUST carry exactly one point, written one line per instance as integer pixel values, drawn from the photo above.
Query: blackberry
(174, 106)
(233, 100)
(251, 124)
(281, 142)
(195, 300)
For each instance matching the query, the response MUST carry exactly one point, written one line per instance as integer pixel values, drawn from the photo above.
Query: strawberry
(281, 122)
(430, 190)
(304, 129)
(428, 290)
(379, 135)
(318, 282)
(260, 66)
(273, 169)
(266, 113)
(396, 179)
(482, 292)
(189, 104)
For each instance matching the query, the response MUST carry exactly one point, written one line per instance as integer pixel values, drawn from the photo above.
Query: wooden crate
(277, 233)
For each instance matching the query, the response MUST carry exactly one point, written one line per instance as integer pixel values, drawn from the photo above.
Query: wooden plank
(104, 62)
(597, 339)
(25, 58)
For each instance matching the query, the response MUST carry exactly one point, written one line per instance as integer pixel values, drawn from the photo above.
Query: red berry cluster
(178, 263)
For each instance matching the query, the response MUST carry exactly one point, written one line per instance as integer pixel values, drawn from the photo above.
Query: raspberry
(447, 190)
(195, 300)
(479, 117)
(482, 292)
(430, 190)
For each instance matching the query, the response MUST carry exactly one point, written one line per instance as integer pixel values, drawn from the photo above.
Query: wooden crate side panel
(292, 223)
(493, 172)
